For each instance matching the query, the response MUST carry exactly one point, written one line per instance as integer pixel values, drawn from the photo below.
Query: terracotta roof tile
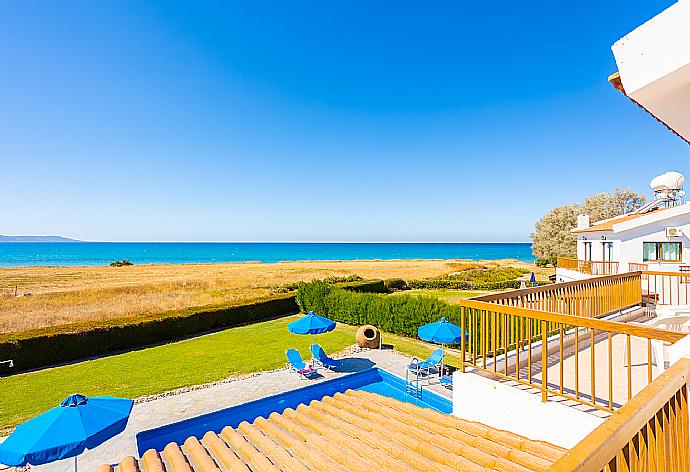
(354, 431)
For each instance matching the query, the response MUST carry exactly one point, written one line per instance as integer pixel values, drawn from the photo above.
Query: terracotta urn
(368, 336)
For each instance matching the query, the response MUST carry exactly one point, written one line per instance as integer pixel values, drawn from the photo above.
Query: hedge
(401, 314)
(50, 346)
(66, 343)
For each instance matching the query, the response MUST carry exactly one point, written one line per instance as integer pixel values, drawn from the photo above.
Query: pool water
(371, 380)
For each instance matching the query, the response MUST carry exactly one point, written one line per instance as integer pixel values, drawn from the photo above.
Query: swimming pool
(372, 380)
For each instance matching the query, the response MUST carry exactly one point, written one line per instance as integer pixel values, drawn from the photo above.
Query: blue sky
(317, 121)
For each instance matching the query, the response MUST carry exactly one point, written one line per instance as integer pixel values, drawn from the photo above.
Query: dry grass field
(50, 296)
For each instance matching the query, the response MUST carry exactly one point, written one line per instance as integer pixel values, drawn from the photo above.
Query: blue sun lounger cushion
(447, 381)
(321, 357)
(425, 366)
(296, 363)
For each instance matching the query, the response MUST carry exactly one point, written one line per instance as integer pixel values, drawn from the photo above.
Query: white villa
(654, 237)
(654, 73)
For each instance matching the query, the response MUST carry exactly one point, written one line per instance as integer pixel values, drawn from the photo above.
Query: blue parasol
(311, 324)
(79, 423)
(441, 332)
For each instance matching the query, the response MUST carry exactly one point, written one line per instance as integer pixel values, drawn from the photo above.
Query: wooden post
(544, 361)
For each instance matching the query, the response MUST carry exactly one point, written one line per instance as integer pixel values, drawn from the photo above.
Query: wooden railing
(637, 267)
(604, 268)
(588, 267)
(516, 343)
(577, 265)
(666, 288)
(649, 433)
(593, 297)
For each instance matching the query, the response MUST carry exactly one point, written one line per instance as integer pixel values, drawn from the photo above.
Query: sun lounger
(425, 367)
(447, 381)
(321, 357)
(296, 363)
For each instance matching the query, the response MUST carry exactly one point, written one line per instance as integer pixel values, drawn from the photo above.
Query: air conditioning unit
(673, 231)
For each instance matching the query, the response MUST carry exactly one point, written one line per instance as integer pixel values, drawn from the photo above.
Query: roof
(607, 225)
(354, 431)
(615, 80)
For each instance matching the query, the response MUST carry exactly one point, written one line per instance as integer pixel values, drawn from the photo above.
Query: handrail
(579, 321)
(591, 297)
(549, 288)
(510, 342)
(650, 431)
(658, 272)
(588, 267)
(666, 288)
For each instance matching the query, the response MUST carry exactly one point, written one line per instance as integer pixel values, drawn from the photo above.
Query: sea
(23, 254)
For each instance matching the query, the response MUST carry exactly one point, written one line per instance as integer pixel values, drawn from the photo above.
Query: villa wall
(627, 245)
(505, 407)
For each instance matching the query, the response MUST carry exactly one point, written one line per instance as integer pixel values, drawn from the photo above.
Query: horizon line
(280, 242)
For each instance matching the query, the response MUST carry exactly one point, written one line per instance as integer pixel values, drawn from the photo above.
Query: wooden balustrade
(603, 268)
(577, 265)
(588, 267)
(515, 343)
(666, 288)
(650, 432)
(593, 297)
(637, 267)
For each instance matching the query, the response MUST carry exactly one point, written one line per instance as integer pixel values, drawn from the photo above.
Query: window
(662, 252)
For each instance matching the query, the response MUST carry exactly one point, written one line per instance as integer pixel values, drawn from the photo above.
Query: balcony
(588, 267)
(561, 342)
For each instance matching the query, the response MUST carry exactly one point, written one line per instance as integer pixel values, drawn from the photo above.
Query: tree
(603, 205)
(552, 237)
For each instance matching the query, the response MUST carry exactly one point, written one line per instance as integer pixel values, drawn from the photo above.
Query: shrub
(312, 297)
(291, 287)
(474, 279)
(370, 286)
(394, 285)
(122, 263)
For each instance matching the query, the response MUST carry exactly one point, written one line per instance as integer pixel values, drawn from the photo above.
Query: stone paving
(161, 411)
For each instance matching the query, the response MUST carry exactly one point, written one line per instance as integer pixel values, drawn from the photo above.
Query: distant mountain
(36, 239)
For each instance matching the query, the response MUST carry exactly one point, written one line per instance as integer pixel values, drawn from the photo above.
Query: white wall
(501, 406)
(627, 245)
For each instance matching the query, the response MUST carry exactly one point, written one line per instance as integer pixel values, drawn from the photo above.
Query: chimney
(582, 221)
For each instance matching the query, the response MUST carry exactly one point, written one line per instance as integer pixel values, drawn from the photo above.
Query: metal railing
(649, 433)
(521, 344)
(593, 297)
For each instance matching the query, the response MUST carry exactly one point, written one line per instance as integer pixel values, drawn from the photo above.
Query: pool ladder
(412, 386)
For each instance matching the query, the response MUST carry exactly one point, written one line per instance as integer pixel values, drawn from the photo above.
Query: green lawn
(236, 351)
